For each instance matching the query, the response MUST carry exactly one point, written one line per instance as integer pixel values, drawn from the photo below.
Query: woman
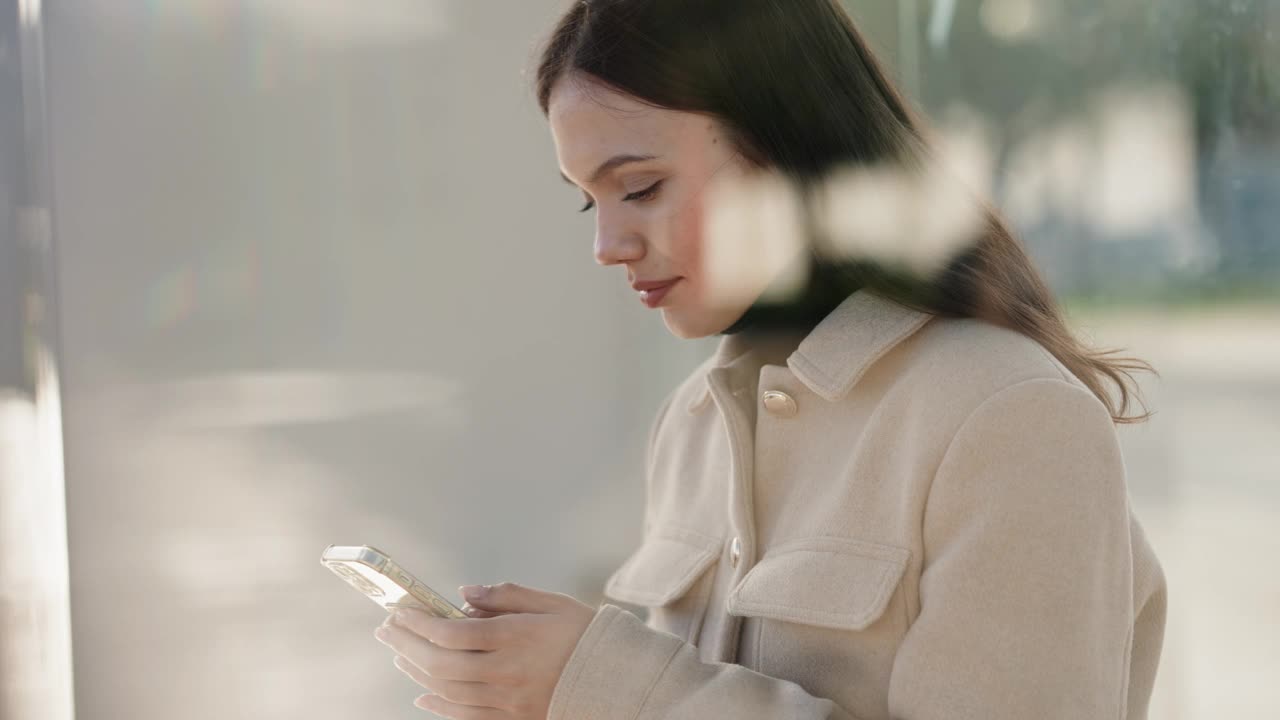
(890, 493)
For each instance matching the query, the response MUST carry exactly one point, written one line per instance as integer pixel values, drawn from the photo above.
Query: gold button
(735, 552)
(780, 404)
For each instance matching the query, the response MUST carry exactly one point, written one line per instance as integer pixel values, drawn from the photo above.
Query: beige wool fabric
(926, 520)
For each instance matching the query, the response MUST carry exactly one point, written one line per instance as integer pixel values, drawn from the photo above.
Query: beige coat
(911, 517)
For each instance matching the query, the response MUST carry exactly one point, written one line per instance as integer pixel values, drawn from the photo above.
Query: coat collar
(834, 355)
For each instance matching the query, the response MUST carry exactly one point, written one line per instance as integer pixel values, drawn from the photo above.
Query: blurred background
(276, 274)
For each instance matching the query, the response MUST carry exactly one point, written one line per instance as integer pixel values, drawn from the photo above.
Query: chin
(691, 326)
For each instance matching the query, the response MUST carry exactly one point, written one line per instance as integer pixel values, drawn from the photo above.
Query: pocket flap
(830, 582)
(663, 568)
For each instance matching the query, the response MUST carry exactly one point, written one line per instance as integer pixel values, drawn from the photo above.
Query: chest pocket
(668, 576)
(828, 608)
(835, 583)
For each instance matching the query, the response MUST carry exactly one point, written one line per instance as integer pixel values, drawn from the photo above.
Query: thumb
(511, 597)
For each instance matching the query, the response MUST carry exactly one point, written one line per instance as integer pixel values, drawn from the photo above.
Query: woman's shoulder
(953, 352)
(953, 366)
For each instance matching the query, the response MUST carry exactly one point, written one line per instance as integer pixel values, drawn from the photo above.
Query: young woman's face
(646, 173)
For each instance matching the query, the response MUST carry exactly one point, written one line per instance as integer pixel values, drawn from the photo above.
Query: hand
(501, 665)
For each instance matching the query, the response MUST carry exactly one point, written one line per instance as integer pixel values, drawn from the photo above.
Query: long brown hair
(801, 93)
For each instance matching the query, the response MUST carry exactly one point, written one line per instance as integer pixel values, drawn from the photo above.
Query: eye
(647, 194)
(639, 196)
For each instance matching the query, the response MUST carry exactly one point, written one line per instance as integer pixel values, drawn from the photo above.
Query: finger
(454, 711)
(456, 691)
(436, 661)
(460, 634)
(476, 612)
(512, 597)
(408, 668)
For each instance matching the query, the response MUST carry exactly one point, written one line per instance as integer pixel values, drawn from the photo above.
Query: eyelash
(640, 195)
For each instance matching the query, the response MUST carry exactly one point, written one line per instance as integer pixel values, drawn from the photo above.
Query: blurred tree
(1028, 65)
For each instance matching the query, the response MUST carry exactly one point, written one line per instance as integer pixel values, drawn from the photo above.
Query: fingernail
(473, 591)
(381, 633)
(398, 617)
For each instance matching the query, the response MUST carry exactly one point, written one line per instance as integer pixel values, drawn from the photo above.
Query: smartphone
(379, 578)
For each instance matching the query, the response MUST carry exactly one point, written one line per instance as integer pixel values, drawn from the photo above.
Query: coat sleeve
(624, 670)
(1025, 592)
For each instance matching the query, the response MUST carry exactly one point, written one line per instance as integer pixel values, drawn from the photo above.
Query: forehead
(591, 122)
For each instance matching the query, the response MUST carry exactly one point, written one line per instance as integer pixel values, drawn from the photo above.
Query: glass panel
(319, 284)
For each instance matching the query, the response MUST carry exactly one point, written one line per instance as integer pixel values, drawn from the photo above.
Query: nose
(615, 245)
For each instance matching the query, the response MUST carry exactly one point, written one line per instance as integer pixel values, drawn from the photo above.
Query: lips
(652, 293)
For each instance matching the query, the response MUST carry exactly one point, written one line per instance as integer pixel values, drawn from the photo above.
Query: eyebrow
(610, 165)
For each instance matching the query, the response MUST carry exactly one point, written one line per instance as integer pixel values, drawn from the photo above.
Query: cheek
(688, 231)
